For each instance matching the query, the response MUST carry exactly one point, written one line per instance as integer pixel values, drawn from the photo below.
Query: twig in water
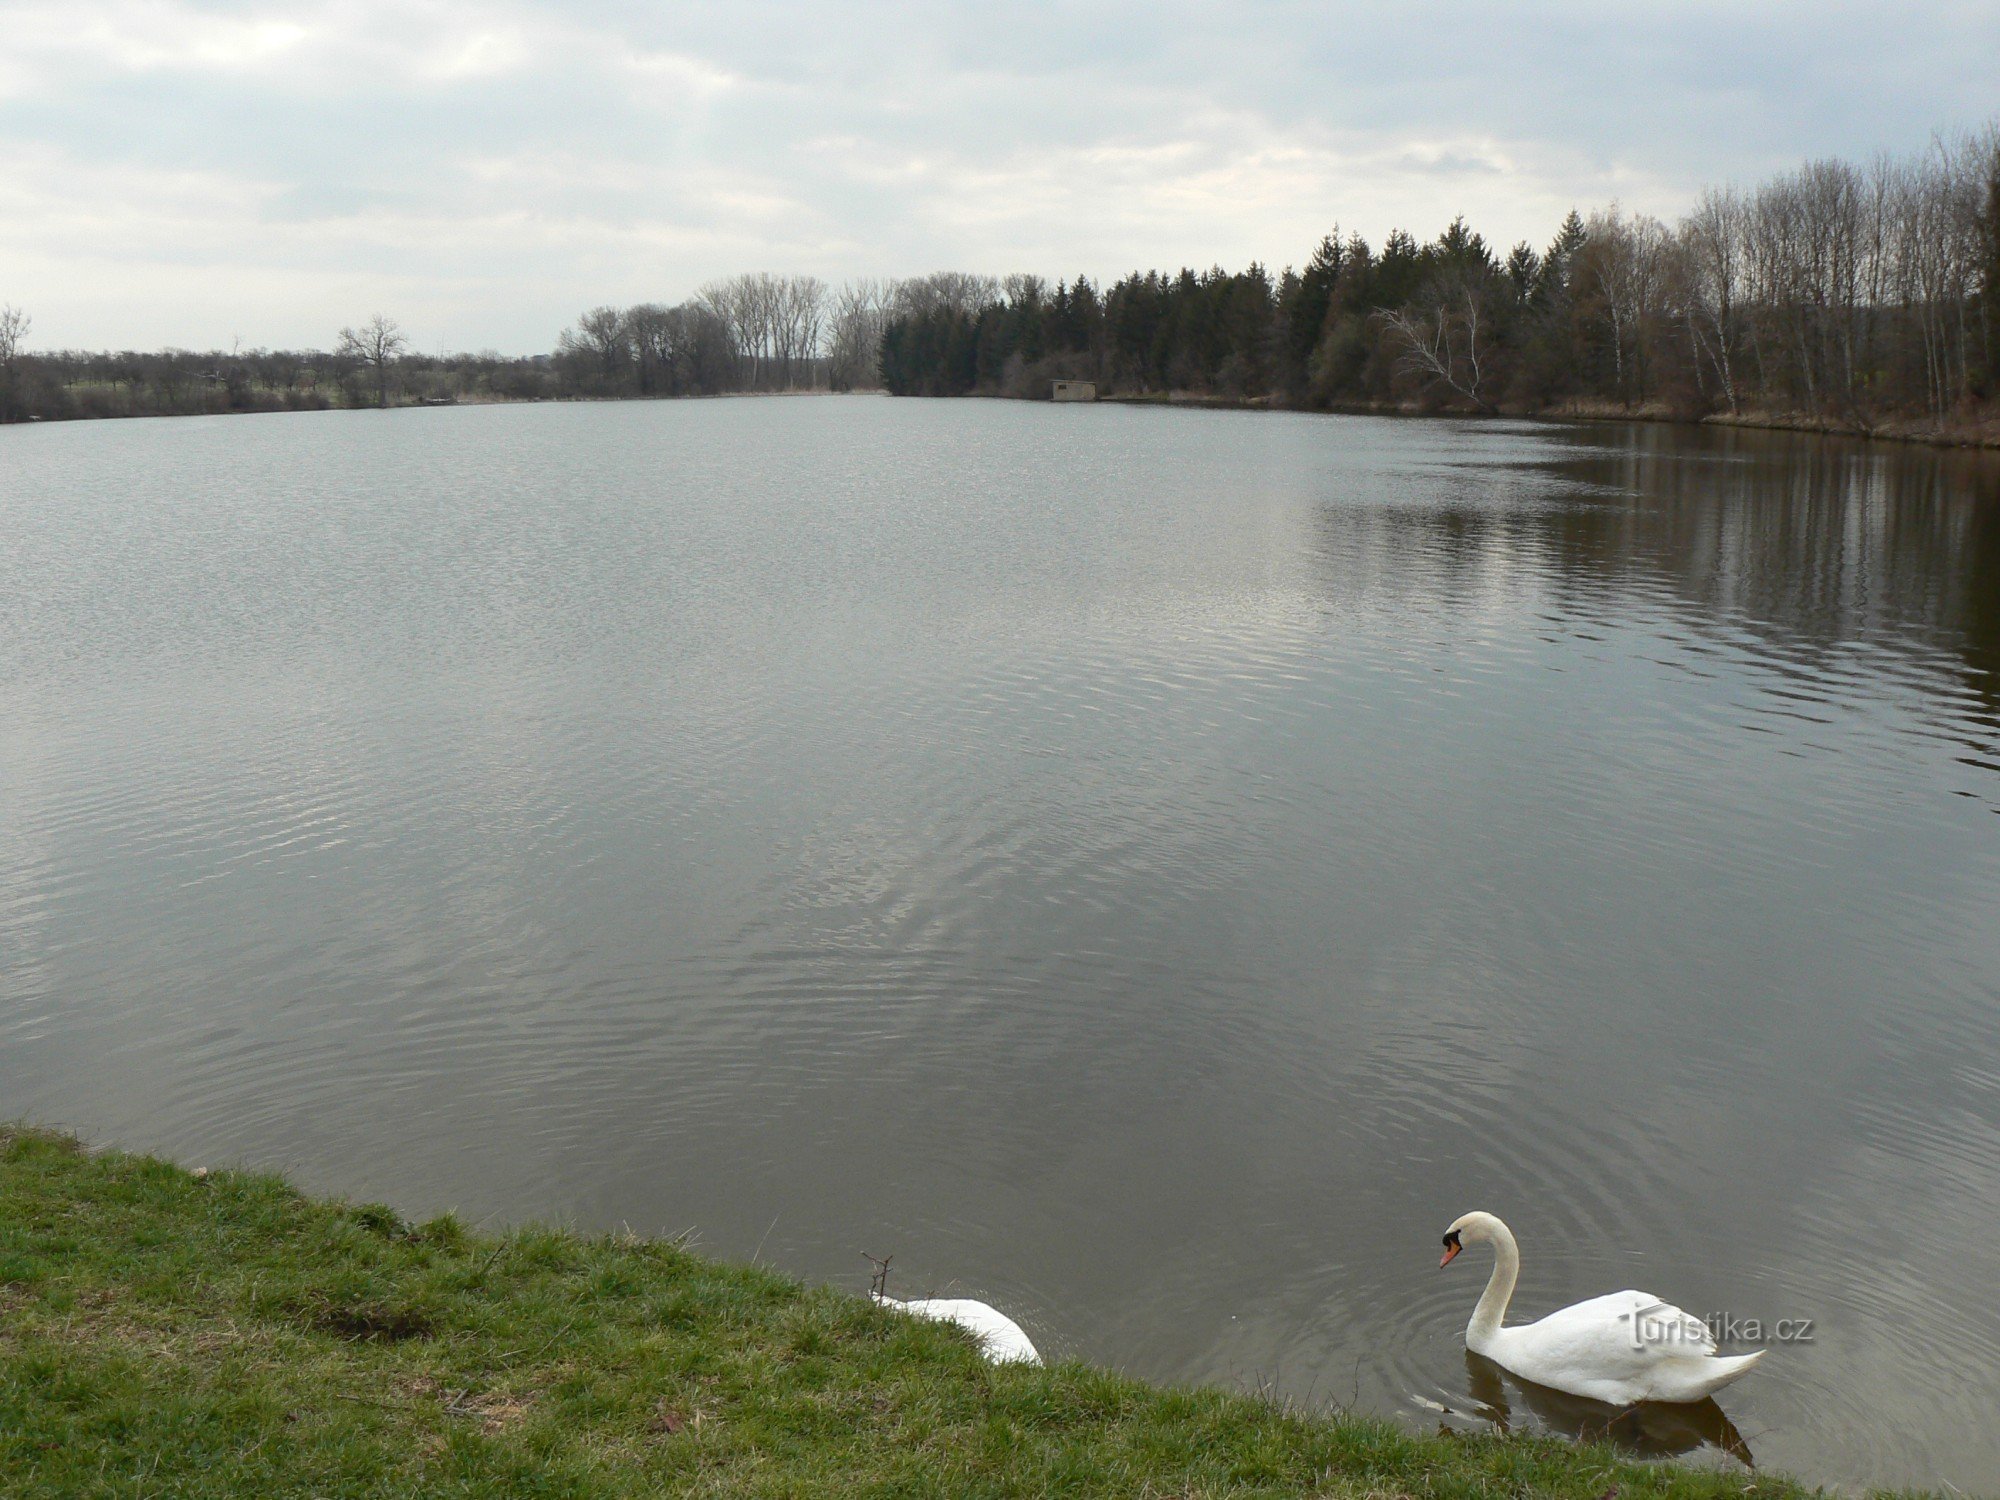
(878, 1284)
(767, 1234)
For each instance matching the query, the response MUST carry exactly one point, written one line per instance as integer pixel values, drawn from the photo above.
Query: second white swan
(1000, 1338)
(1621, 1348)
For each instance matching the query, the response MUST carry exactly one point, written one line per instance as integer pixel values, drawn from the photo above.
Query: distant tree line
(1852, 296)
(1839, 293)
(750, 333)
(368, 366)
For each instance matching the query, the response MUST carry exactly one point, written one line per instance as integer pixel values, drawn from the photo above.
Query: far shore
(1978, 432)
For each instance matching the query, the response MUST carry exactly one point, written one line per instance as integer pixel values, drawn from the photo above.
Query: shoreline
(483, 398)
(1982, 436)
(166, 1330)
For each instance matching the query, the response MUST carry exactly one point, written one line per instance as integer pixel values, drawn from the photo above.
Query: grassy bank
(167, 1333)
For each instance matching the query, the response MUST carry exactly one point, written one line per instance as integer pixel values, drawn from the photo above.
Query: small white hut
(1073, 390)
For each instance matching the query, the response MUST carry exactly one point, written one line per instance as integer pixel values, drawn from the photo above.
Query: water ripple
(1149, 869)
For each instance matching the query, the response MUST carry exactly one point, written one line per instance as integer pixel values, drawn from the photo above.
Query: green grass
(168, 1334)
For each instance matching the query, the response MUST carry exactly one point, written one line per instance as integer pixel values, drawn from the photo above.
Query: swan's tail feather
(1732, 1367)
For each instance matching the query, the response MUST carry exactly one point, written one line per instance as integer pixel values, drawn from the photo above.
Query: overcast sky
(175, 172)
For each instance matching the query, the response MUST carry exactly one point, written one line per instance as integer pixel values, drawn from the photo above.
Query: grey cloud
(598, 150)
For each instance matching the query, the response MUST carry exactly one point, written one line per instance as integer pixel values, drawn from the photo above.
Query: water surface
(1149, 869)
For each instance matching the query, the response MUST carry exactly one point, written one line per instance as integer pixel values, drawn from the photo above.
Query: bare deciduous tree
(603, 341)
(678, 351)
(14, 326)
(945, 291)
(777, 324)
(861, 310)
(1619, 270)
(649, 334)
(803, 315)
(1711, 252)
(377, 344)
(1439, 340)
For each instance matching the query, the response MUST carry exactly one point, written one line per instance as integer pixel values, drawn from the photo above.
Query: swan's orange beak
(1449, 1251)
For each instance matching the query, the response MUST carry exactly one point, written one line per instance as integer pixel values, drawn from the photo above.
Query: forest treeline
(757, 332)
(749, 333)
(1860, 297)
(1852, 296)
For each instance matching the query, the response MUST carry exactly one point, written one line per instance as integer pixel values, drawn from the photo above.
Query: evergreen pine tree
(1561, 256)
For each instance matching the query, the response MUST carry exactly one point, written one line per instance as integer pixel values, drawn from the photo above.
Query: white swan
(1621, 1348)
(1000, 1338)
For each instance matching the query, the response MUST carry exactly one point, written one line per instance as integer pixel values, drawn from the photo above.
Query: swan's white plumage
(1588, 1349)
(1001, 1339)
(1621, 1348)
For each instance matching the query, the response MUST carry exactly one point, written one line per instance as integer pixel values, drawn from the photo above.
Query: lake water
(1149, 869)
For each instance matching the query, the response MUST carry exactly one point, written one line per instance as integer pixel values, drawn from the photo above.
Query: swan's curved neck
(1492, 1308)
